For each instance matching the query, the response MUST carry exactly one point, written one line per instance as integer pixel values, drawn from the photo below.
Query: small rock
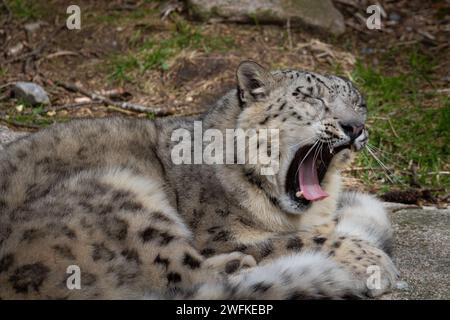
(366, 50)
(394, 16)
(33, 26)
(402, 285)
(16, 49)
(31, 93)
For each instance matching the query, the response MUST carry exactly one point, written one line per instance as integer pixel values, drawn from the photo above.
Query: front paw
(342, 159)
(230, 262)
(374, 271)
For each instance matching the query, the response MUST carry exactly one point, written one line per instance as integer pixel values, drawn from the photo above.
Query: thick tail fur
(363, 216)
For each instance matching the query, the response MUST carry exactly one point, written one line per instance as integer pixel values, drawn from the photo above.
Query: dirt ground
(177, 64)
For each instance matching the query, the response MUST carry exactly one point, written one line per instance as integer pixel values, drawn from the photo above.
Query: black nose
(353, 130)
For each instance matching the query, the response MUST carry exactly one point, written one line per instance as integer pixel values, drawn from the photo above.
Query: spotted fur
(105, 196)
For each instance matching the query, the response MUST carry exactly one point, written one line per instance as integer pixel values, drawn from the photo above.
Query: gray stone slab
(422, 252)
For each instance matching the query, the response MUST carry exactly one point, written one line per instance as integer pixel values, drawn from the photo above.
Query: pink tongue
(309, 182)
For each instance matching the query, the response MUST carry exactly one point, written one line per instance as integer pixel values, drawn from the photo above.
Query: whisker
(385, 168)
(377, 159)
(301, 142)
(330, 146)
(373, 147)
(309, 151)
(368, 162)
(387, 157)
(318, 151)
(321, 154)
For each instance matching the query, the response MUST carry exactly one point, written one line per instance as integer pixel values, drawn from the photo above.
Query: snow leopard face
(318, 117)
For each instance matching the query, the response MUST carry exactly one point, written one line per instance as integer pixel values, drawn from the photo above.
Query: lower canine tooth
(299, 194)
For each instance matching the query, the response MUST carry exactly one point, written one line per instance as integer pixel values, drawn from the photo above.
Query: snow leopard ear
(254, 82)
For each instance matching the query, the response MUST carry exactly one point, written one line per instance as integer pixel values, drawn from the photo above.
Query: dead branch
(348, 3)
(8, 12)
(37, 52)
(289, 35)
(59, 54)
(361, 169)
(71, 106)
(120, 104)
(6, 24)
(126, 6)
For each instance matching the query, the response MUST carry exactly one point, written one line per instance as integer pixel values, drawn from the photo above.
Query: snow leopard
(98, 208)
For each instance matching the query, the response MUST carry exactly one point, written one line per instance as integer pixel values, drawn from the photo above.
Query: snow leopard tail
(364, 217)
(308, 275)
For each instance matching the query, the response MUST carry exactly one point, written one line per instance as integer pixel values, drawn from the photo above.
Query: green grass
(34, 120)
(157, 54)
(120, 17)
(32, 117)
(25, 9)
(403, 129)
(3, 71)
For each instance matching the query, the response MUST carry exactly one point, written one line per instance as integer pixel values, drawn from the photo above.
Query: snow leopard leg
(306, 275)
(355, 257)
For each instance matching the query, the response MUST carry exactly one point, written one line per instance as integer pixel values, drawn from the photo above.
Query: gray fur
(105, 195)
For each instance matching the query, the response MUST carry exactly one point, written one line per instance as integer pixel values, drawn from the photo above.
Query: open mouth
(306, 172)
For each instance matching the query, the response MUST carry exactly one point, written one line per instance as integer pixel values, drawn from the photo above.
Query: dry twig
(71, 106)
(120, 104)
(348, 3)
(8, 12)
(35, 53)
(289, 35)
